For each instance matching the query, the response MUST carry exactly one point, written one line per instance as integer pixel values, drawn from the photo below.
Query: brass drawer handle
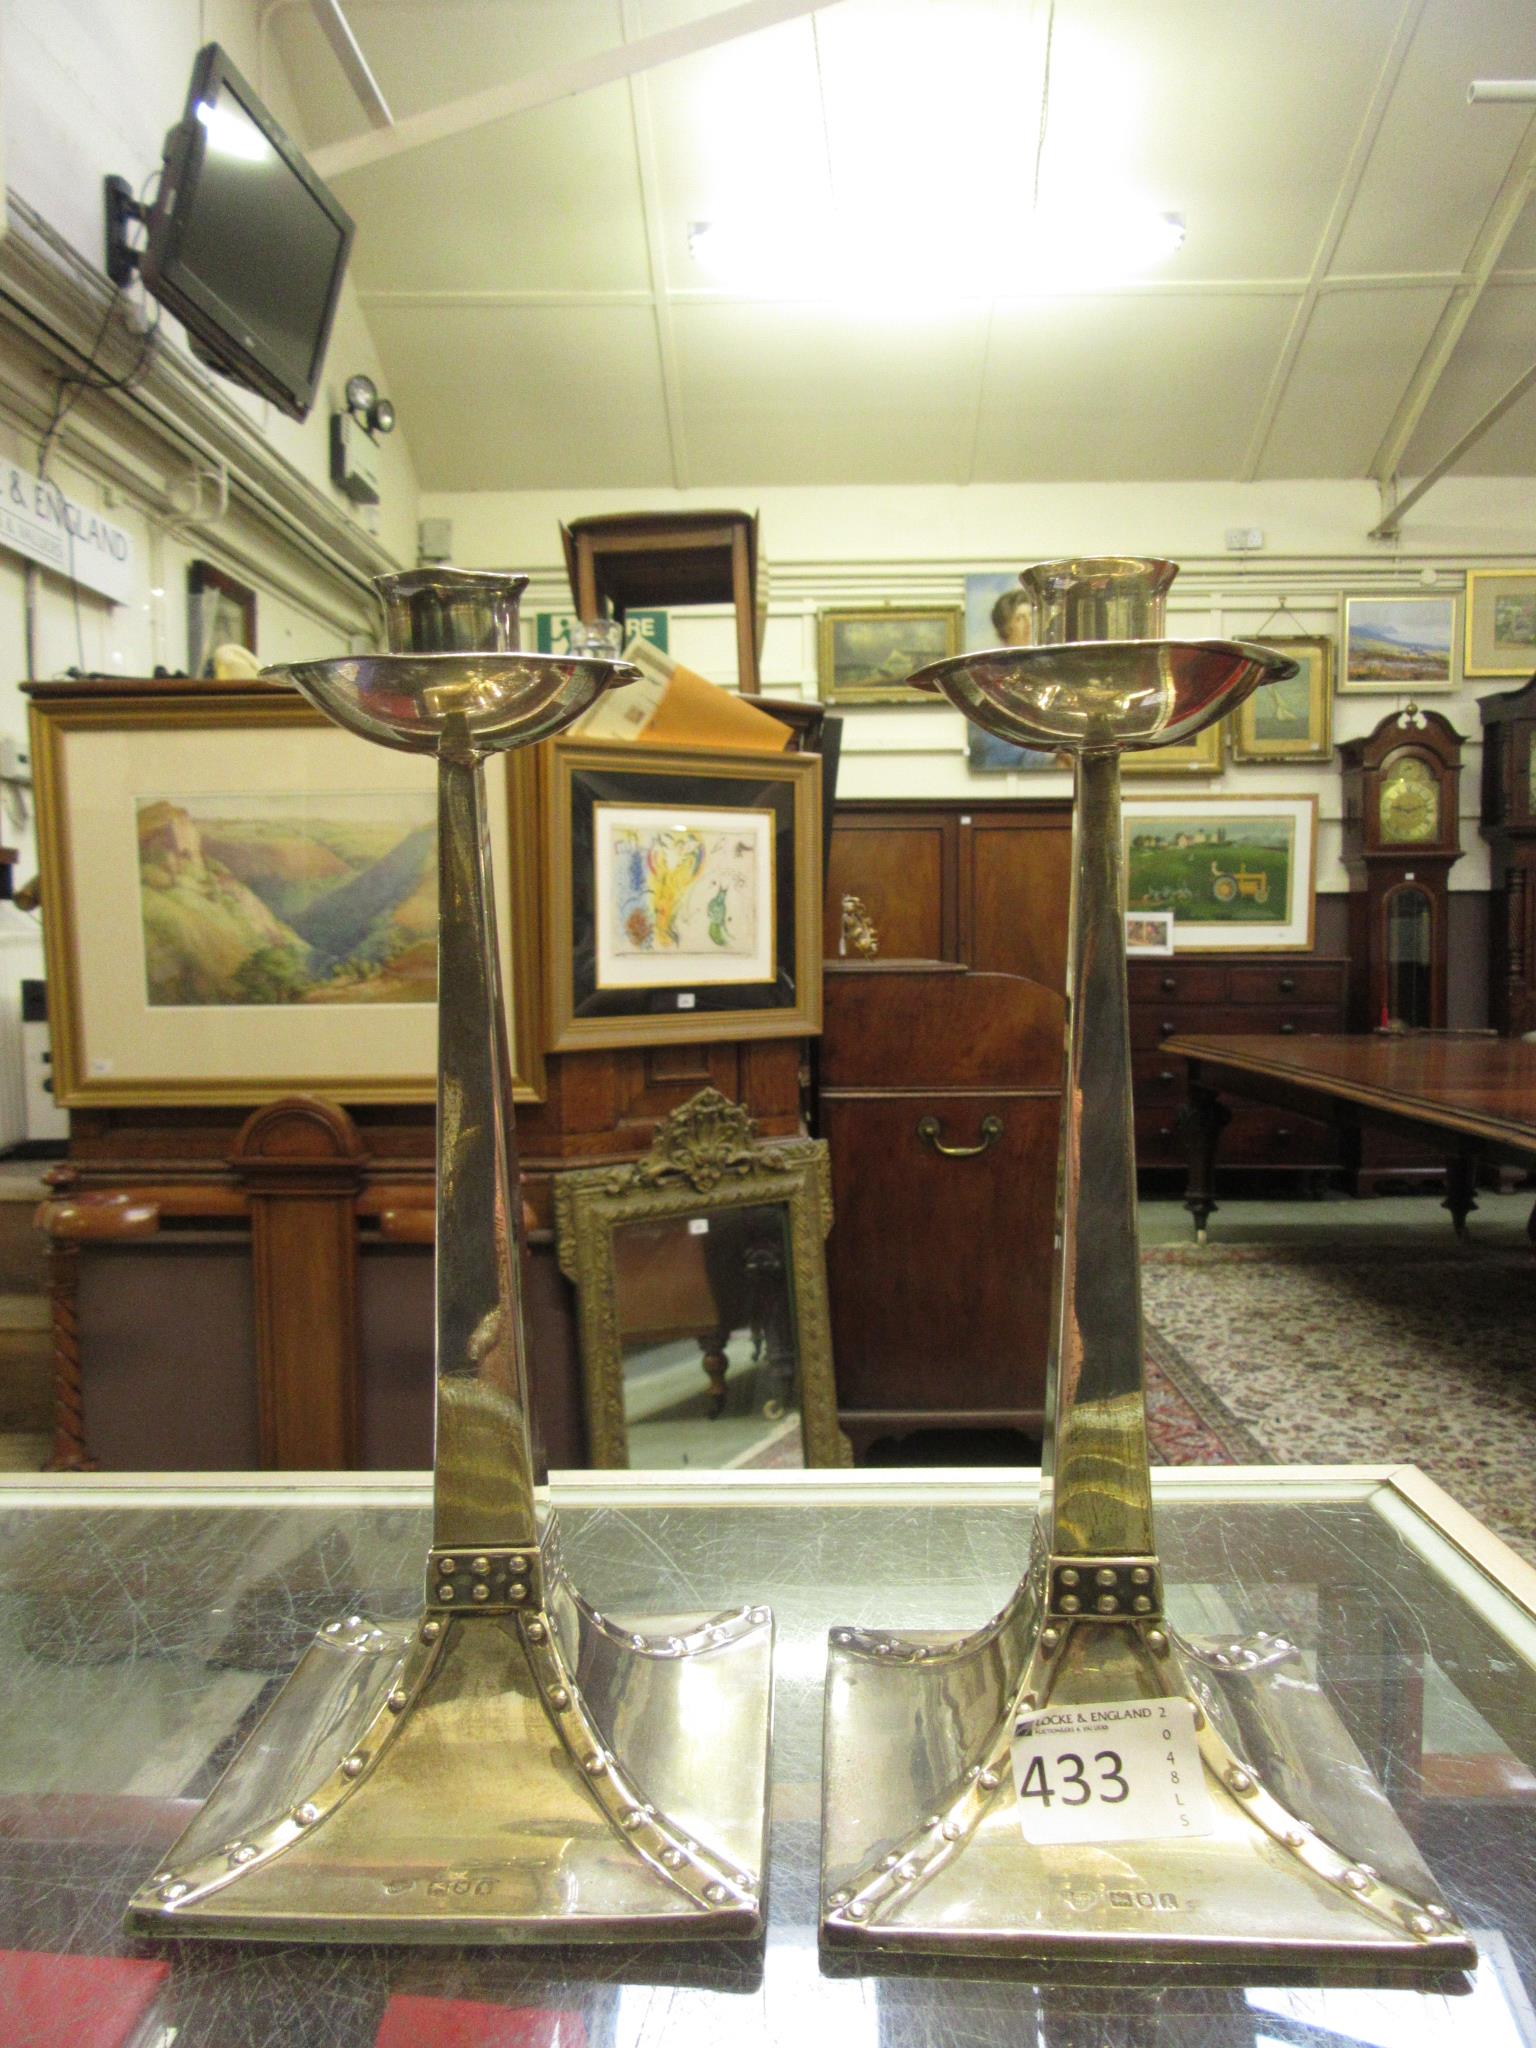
(991, 1130)
(1287, 984)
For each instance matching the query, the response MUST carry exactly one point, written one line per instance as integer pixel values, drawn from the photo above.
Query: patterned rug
(1351, 1354)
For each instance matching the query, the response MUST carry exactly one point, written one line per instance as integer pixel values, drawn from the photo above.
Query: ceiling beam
(1394, 506)
(1338, 218)
(1482, 261)
(348, 52)
(559, 82)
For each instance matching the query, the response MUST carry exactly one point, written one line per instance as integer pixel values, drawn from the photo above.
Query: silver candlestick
(923, 1845)
(511, 1766)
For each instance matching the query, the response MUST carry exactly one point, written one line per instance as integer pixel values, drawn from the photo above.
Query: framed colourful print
(1406, 644)
(240, 899)
(1501, 623)
(1293, 720)
(684, 893)
(1237, 873)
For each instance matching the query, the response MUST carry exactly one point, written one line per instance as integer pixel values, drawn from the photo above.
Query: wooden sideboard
(986, 885)
(1249, 992)
(940, 1103)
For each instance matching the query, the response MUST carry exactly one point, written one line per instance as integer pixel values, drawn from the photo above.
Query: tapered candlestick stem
(1096, 1457)
(483, 1490)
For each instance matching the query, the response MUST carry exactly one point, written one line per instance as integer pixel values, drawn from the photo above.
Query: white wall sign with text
(37, 520)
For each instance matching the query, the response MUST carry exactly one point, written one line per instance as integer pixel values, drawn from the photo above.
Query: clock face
(1410, 802)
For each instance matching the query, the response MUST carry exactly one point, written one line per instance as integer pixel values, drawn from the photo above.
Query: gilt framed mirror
(701, 1285)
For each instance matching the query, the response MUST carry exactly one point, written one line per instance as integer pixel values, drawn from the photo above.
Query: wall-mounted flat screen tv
(245, 245)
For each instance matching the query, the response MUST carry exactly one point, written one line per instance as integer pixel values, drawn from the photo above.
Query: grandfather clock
(1509, 826)
(1401, 840)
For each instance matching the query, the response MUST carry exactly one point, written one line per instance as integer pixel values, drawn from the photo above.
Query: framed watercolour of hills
(684, 894)
(240, 900)
(1403, 644)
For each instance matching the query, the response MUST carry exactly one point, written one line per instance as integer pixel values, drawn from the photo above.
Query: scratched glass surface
(138, 1645)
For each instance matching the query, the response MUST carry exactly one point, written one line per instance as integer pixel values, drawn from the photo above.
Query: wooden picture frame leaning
(122, 770)
(704, 1161)
(684, 894)
(216, 601)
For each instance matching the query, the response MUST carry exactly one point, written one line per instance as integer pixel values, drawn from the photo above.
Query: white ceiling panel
(1240, 117)
(1126, 388)
(549, 201)
(543, 321)
(527, 397)
(1498, 346)
(813, 394)
(1361, 348)
(1437, 162)
(424, 52)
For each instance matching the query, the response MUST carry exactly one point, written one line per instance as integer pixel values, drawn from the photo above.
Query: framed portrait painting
(1293, 720)
(865, 656)
(1501, 623)
(1406, 644)
(1236, 873)
(684, 893)
(240, 900)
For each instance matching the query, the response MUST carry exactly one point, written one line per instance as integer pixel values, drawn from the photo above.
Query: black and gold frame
(684, 894)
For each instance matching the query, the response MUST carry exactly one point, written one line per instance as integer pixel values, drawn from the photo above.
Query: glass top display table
(146, 1623)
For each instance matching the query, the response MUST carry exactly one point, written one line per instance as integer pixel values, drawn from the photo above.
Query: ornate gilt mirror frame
(704, 1160)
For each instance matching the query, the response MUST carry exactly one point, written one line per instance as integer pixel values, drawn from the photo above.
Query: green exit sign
(553, 630)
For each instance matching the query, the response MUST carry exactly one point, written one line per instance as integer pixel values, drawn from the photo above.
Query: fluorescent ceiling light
(1099, 240)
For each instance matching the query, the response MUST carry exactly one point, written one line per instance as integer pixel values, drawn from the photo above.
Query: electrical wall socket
(1243, 540)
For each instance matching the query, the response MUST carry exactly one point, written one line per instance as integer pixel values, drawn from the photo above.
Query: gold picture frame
(684, 894)
(865, 653)
(1291, 721)
(151, 1000)
(1199, 756)
(706, 1171)
(1500, 623)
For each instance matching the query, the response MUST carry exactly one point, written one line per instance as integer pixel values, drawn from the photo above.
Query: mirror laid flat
(701, 1286)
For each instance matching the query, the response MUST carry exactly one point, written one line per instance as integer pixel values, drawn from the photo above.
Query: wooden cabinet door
(939, 1269)
(1015, 885)
(901, 865)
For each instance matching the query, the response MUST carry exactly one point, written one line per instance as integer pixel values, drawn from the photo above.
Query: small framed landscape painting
(1293, 720)
(1148, 933)
(1501, 623)
(1233, 873)
(685, 897)
(1400, 643)
(242, 900)
(865, 657)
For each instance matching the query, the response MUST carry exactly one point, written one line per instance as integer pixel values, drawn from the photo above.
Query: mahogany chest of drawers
(1261, 992)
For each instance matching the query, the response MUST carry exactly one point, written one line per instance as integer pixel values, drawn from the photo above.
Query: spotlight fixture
(375, 414)
(354, 433)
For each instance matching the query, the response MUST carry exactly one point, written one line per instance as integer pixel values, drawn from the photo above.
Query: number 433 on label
(1121, 1772)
